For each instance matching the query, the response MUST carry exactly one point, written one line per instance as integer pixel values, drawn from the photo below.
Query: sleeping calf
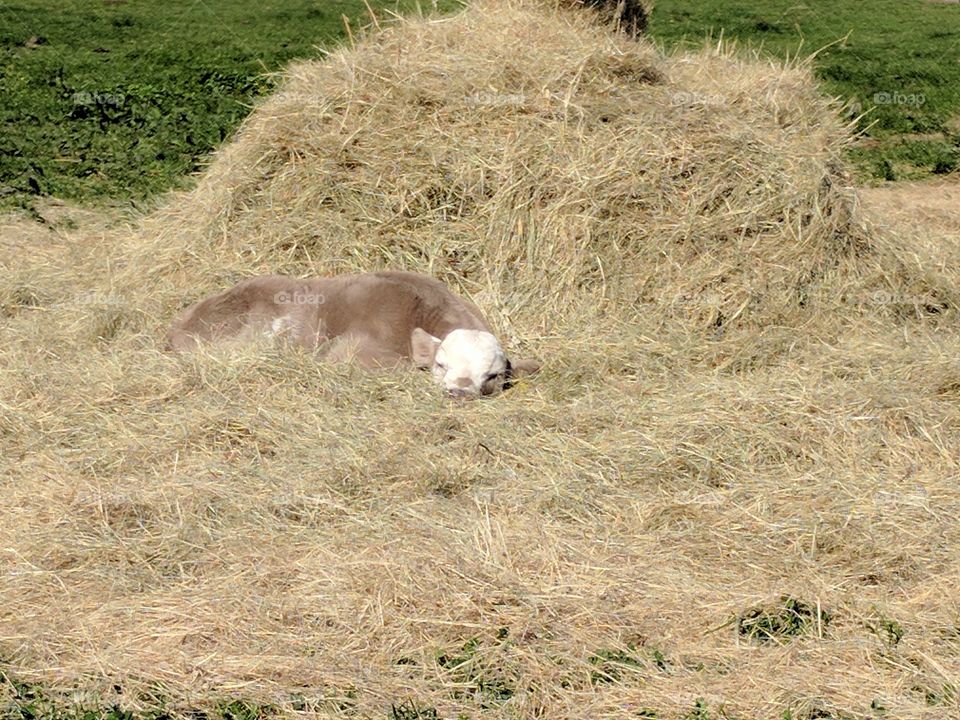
(378, 319)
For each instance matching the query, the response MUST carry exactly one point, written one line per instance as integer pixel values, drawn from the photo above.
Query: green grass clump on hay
(748, 393)
(21, 701)
(786, 619)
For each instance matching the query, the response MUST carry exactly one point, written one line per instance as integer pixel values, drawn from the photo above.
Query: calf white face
(467, 363)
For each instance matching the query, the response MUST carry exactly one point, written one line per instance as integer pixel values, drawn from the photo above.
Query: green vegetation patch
(489, 686)
(24, 701)
(782, 621)
(409, 710)
(613, 665)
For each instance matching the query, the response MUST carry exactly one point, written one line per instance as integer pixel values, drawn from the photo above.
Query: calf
(378, 319)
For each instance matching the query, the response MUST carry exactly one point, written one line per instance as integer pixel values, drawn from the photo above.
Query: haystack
(546, 163)
(730, 493)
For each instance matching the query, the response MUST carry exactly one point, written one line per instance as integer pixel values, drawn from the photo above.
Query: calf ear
(520, 368)
(423, 348)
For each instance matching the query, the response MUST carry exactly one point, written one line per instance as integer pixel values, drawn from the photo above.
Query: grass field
(898, 61)
(123, 100)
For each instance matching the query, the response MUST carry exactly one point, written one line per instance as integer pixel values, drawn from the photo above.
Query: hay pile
(544, 162)
(731, 490)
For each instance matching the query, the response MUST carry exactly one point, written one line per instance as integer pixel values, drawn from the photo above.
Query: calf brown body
(369, 317)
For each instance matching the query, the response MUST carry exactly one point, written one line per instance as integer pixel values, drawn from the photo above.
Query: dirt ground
(934, 206)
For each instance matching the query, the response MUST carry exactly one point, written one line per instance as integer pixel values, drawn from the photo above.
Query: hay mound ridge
(732, 488)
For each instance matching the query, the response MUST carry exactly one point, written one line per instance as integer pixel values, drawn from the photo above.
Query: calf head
(467, 363)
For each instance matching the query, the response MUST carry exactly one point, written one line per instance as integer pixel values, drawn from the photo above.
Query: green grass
(787, 619)
(122, 100)
(411, 711)
(899, 60)
(22, 701)
(464, 669)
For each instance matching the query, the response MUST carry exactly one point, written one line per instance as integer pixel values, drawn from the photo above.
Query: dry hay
(733, 486)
